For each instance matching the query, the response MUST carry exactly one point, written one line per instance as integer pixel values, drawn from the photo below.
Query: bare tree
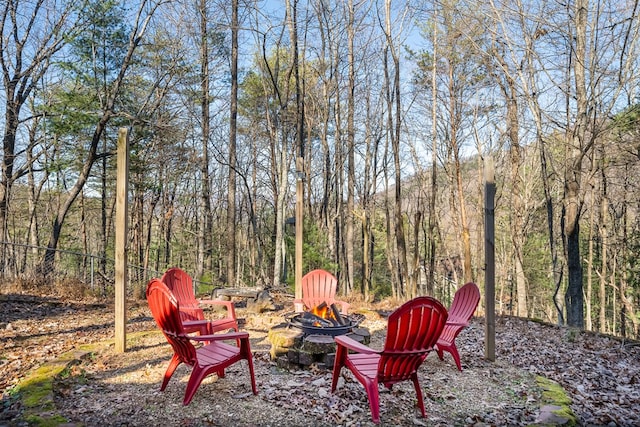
(394, 121)
(139, 27)
(233, 125)
(204, 235)
(31, 35)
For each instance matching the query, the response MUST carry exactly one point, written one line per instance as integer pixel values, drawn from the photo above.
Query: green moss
(572, 334)
(37, 389)
(566, 412)
(43, 421)
(553, 394)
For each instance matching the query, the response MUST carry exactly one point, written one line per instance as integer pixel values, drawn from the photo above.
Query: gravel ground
(601, 374)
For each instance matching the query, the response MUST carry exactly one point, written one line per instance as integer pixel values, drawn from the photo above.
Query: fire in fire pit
(325, 320)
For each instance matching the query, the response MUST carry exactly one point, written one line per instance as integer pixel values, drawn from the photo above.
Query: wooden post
(122, 184)
(489, 259)
(299, 226)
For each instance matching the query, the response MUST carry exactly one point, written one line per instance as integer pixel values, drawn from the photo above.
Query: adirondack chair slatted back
(319, 286)
(181, 285)
(465, 302)
(412, 332)
(165, 310)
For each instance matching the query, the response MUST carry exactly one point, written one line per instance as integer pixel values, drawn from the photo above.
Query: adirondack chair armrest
(189, 308)
(453, 321)
(298, 305)
(354, 345)
(221, 337)
(345, 306)
(231, 308)
(187, 323)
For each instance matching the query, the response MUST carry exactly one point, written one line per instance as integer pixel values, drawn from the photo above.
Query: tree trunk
(233, 118)
(395, 123)
(351, 174)
(281, 199)
(603, 272)
(572, 180)
(47, 263)
(589, 291)
(203, 235)
(516, 212)
(431, 274)
(571, 226)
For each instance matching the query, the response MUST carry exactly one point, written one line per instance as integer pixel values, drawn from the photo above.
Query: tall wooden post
(122, 186)
(299, 225)
(489, 259)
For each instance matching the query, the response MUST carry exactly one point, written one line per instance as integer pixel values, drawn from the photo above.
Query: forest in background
(384, 110)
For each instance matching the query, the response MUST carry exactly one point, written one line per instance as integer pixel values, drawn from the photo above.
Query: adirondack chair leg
(374, 400)
(338, 363)
(416, 385)
(440, 352)
(197, 375)
(244, 349)
(456, 357)
(173, 364)
(453, 350)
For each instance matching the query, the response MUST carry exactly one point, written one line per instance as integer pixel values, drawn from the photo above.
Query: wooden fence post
(122, 185)
(299, 226)
(489, 259)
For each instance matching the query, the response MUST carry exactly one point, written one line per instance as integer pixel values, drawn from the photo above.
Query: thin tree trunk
(283, 167)
(588, 295)
(434, 161)
(204, 214)
(574, 298)
(604, 219)
(351, 174)
(394, 120)
(233, 118)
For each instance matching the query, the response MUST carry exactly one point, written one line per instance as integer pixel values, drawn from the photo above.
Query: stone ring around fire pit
(304, 340)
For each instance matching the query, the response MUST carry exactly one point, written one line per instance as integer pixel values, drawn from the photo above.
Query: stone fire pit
(297, 346)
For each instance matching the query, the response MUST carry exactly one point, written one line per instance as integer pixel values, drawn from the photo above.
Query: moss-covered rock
(36, 391)
(555, 409)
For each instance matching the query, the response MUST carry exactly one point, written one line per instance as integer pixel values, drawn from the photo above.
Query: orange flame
(323, 311)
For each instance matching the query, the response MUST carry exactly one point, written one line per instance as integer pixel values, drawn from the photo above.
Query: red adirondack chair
(319, 286)
(193, 319)
(214, 357)
(465, 302)
(412, 332)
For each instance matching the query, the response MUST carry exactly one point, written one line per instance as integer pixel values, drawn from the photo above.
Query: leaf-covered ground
(600, 374)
